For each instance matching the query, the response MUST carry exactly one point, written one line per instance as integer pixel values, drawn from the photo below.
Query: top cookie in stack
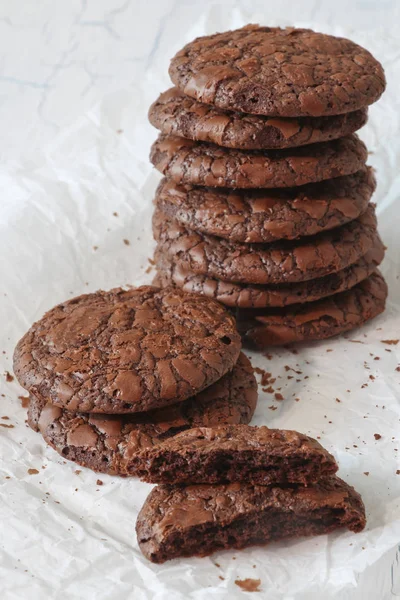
(265, 204)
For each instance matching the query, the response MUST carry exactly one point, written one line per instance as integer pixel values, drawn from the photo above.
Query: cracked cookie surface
(127, 351)
(174, 113)
(278, 72)
(268, 215)
(197, 520)
(261, 296)
(284, 261)
(200, 163)
(108, 443)
(317, 320)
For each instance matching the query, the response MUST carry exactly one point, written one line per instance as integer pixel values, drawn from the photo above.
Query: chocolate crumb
(273, 407)
(221, 578)
(9, 377)
(99, 482)
(249, 585)
(126, 242)
(390, 342)
(278, 396)
(217, 565)
(377, 436)
(33, 472)
(115, 214)
(337, 400)
(6, 426)
(6, 418)
(366, 473)
(398, 472)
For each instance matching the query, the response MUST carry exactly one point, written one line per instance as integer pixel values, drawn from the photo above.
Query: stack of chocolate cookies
(265, 205)
(113, 373)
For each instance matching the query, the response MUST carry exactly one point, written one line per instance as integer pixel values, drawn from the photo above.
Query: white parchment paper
(75, 217)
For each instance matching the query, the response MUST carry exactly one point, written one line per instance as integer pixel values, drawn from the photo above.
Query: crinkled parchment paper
(75, 217)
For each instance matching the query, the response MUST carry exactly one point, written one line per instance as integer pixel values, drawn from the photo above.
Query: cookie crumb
(377, 436)
(126, 242)
(366, 473)
(390, 342)
(33, 472)
(9, 377)
(6, 426)
(249, 585)
(99, 482)
(278, 396)
(115, 214)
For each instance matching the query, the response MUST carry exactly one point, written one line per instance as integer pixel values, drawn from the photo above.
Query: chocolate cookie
(199, 163)
(280, 262)
(254, 216)
(261, 296)
(231, 453)
(127, 351)
(174, 113)
(278, 72)
(197, 520)
(109, 443)
(316, 320)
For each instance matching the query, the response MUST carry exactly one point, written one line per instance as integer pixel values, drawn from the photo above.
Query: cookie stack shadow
(265, 205)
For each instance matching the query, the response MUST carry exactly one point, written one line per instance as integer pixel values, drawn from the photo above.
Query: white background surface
(76, 79)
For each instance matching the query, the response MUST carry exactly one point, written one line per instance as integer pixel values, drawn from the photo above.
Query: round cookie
(317, 320)
(253, 296)
(278, 72)
(254, 216)
(174, 113)
(280, 262)
(199, 163)
(107, 443)
(127, 351)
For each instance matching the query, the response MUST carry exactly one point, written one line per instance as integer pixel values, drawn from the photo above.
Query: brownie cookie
(197, 520)
(280, 262)
(261, 296)
(109, 443)
(231, 453)
(254, 216)
(316, 320)
(278, 72)
(199, 163)
(174, 113)
(127, 351)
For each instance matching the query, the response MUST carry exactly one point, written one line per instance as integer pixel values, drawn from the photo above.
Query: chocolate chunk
(280, 262)
(278, 72)
(315, 320)
(127, 351)
(200, 163)
(254, 216)
(174, 113)
(109, 443)
(231, 453)
(197, 520)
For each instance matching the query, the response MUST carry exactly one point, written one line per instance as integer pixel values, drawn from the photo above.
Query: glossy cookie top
(278, 72)
(127, 351)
